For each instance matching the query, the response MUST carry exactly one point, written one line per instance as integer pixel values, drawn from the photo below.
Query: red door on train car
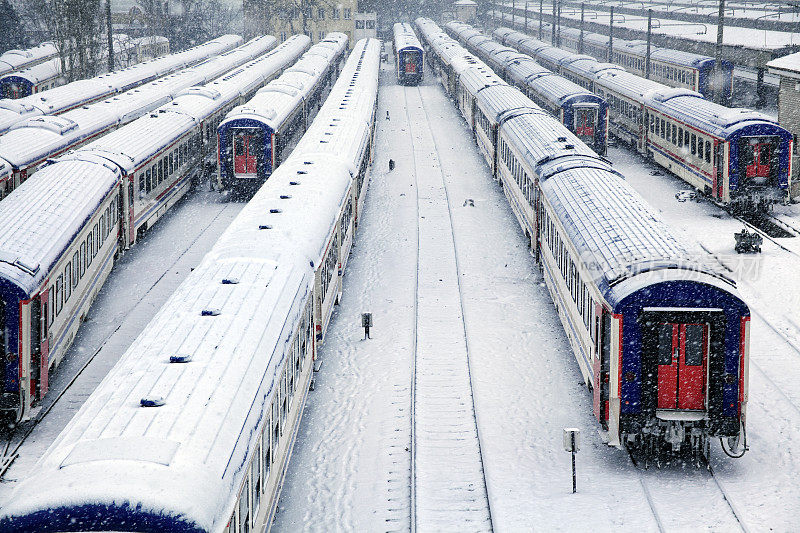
(682, 362)
(585, 120)
(244, 153)
(757, 160)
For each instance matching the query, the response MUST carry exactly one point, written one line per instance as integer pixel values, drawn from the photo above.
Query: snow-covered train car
(739, 157)
(33, 141)
(82, 92)
(584, 113)
(639, 311)
(14, 60)
(205, 404)
(31, 80)
(408, 55)
(48, 74)
(60, 237)
(152, 161)
(257, 136)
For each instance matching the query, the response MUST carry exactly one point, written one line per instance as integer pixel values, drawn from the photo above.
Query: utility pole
(110, 35)
(541, 17)
(558, 26)
(649, 36)
(526, 17)
(611, 36)
(580, 37)
(718, 92)
(553, 25)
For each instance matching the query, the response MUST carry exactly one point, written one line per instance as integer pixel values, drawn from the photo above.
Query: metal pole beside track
(649, 37)
(718, 83)
(541, 17)
(611, 36)
(580, 37)
(553, 25)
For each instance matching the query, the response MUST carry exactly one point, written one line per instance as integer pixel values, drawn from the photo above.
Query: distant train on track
(34, 140)
(409, 56)
(63, 228)
(83, 92)
(255, 137)
(47, 75)
(192, 430)
(15, 60)
(737, 157)
(583, 113)
(675, 68)
(661, 338)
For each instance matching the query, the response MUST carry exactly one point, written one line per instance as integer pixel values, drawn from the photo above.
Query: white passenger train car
(34, 140)
(82, 92)
(13, 60)
(256, 137)
(160, 152)
(193, 428)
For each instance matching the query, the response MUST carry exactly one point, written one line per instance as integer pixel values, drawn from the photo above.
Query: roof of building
(788, 66)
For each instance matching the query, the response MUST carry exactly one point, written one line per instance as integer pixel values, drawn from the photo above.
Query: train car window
(258, 483)
(51, 314)
(694, 344)
(76, 268)
(700, 148)
(674, 134)
(96, 231)
(686, 137)
(266, 448)
(665, 344)
(708, 151)
(694, 144)
(663, 129)
(89, 248)
(83, 258)
(59, 294)
(147, 186)
(141, 184)
(680, 137)
(67, 282)
(244, 508)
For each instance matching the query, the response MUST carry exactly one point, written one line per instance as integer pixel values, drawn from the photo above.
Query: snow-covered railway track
(709, 489)
(448, 484)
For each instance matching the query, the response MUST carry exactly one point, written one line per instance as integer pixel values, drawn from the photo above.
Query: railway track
(14, 437)
(448, 483)
(719, 487)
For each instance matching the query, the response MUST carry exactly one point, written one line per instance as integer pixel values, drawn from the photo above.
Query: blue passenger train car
(409, 56)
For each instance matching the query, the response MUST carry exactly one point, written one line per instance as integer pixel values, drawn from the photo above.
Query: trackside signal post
(366, 323)
(572, 443)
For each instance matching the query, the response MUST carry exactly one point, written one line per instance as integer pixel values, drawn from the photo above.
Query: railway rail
(448, 483)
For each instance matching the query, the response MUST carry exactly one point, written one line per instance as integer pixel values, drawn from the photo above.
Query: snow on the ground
(706, 32)
(139, 284)
(350, 466)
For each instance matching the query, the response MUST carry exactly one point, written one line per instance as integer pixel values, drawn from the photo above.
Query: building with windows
(315, 18)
